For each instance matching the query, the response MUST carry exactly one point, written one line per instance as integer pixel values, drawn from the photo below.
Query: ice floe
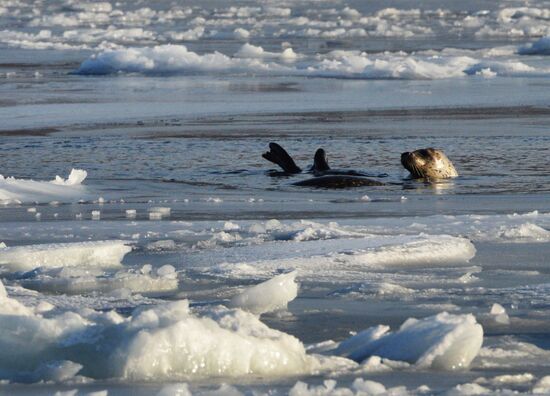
(177, 59)
(443, 341)
(341, 260)
(97, 254)
(16, 191)
(164, 342)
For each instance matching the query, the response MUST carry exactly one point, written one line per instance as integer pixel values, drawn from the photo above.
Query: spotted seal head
(428, 163)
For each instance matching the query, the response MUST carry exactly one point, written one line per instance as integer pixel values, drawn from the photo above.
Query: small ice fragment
(214, 200)
(365, 198)
(58, 371)
(271, 295)
(186, 200)
(499, 314)
(96, 214)
(175, 390)
(241, 34)
(31, 210)
(497, 309)
(167, 271)
(146, 269)
(161, 210)
(542, 386)
(368, 387)
(37, 74)
(273, 224)
(230, 226)
(467, 278)
(78, 216)
(55, 203)
(44, 306)
(131, 213)
(469, 389)
(403, 198)
(256, 228)
(121, 294)
(251, 200)
(38, 215)
(98, 393)
(76, 177)
(155, 216)
(486, 72)
(3, 245)
(166, 244)
(101, 200)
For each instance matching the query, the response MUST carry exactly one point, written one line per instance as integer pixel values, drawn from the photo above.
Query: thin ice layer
(79, 254)
(342, 260)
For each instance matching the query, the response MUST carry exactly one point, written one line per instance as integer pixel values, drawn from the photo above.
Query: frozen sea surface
(147, 248)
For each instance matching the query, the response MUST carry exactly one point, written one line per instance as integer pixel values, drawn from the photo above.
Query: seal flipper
(279, 156)
(320, 163)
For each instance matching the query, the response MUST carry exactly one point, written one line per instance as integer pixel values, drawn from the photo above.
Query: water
(97, 86)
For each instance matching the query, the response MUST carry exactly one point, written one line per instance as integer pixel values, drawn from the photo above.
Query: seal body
(428, 163)
(325, 177)
(338, 181)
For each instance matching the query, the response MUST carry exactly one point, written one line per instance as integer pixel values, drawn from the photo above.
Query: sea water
(148, 248)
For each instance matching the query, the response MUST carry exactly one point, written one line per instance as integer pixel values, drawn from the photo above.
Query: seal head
(428, 163)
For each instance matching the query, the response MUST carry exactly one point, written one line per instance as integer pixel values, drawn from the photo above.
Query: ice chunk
(542, 386)
(164, 211)
(76, 177)
(268, 296)
(13, 191)
(442, 341)
(175, 390)
(360, 387)
(57, 371)
(499, 314)
(469, 389)
(88, 254)
(539, 47)
(241, 34)
(155, 343)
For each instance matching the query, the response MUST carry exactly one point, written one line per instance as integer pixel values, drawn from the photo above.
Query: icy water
(168, 258)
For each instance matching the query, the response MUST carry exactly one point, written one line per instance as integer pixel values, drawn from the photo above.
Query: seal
(428, 163)
(325, 177)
